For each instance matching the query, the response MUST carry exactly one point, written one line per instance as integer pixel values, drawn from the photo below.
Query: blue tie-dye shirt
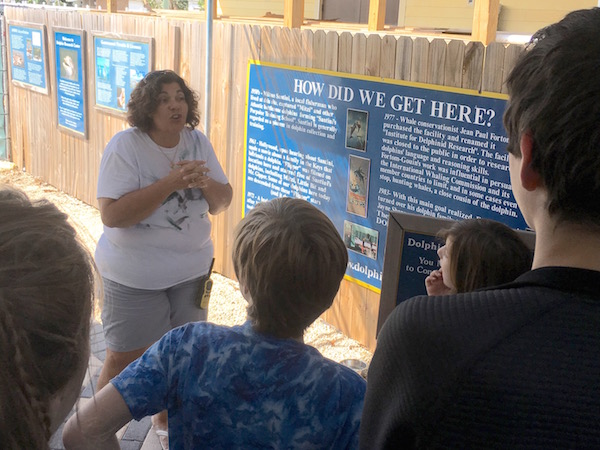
(235, 388)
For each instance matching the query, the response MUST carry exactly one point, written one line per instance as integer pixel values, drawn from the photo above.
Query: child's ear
(530, 178)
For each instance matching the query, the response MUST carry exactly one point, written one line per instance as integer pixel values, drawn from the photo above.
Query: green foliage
(180, 4)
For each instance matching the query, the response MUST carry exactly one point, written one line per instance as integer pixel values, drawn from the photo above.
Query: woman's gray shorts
(136, 318)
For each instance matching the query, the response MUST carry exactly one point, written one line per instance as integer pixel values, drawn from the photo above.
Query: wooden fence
(71, 164)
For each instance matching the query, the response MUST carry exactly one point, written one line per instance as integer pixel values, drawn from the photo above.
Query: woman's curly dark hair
(144, 100)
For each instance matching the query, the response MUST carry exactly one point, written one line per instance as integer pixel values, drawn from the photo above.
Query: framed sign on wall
(120, 62)
(28, 56)
(358, 147)
(70, 69)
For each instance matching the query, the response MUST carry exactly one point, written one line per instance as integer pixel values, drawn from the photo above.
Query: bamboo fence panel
(71, 163)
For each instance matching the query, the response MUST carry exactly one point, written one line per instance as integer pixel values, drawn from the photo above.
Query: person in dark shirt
(516, 366)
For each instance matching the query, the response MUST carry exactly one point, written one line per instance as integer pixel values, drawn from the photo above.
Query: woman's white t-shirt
(173, 244)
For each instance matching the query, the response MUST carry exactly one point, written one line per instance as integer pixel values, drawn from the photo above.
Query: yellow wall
(516, 16)
(258, 8)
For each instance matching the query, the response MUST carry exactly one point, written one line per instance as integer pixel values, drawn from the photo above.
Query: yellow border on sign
(363, 284)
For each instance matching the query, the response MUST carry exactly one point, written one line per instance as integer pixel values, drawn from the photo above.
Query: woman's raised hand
(193, 173)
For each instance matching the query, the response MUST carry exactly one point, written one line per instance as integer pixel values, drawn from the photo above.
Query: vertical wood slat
(373, 55)
(420, 60)
(286, 46)
(319, 49)
(492, 68)
(266, 46)
(473, 66)
(404, 51)
(345, 42)
(308, 48)
(278, 46)
(387, 66)
(511, 55)
(220, 120)
(245, 41)
(437, 62)
(455, 56)
(331, 51)
(359, 53)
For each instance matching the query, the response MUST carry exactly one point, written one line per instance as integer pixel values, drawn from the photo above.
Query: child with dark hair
(478, 253)
(256, 385)
(46, 293)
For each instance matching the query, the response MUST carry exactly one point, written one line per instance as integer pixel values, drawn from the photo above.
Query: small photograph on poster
(36, 42)
(134, 78)
(29, 48)
(37, 53)
(102, 67)
(121, 97)
(68, 64)
(359, 170)
(361, 239)
(356, 129)
(18, 59)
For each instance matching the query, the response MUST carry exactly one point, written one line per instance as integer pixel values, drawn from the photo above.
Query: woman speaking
(157, 183)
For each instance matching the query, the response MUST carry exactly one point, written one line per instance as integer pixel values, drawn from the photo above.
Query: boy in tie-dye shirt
(256, 385)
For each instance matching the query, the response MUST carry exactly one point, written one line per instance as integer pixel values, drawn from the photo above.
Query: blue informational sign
(119, 65)
(419, 259)
(359, 147)
(28, 56)
(70, 81)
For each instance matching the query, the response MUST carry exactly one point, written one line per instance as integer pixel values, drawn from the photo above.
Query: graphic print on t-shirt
(175, 207)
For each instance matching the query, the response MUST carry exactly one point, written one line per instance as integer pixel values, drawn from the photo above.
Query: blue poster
(70, 91)
(359, 147)
(419, 259)
(28, 57)
(120, 64)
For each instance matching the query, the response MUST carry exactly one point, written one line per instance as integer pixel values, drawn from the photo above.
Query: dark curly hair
(554, 94)
(144, 100)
